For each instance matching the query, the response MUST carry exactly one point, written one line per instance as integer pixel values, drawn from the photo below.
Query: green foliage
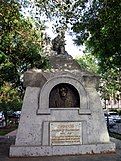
(100, 30)
(110, 80)
(88, 62)
(10, 98)
(21, 48)
(20, 44)
(96, 23)
(110, 84)
(62, 12)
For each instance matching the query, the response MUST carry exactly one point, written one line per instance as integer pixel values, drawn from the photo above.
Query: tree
(96, 23)
(21, 48)
(100, 29)
(20, 44)
(62, 12)
(109, 87)
(10, 99)
(89, 63)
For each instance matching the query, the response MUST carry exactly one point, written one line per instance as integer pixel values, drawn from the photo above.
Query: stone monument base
(23, 151)
(61, 122)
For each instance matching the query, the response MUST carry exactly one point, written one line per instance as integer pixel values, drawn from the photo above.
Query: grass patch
(6, 130)
(115, 135)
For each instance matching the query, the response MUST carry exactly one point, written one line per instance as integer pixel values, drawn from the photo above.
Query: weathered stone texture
(33, 137)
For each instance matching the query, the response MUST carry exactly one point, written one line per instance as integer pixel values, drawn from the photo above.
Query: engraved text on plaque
(65, 133)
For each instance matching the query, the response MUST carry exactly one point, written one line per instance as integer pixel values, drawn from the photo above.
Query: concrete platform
(6, 141)
(20, 151)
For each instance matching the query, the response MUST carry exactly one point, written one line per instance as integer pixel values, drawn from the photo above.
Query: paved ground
(9, 139)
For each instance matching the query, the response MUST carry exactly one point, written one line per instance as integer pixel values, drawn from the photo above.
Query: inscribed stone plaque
(65, 133)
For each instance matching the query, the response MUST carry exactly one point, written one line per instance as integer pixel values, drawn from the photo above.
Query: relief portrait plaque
(65, 133)
(64, 95)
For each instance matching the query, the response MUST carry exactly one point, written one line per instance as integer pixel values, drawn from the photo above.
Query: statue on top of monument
(58, 43)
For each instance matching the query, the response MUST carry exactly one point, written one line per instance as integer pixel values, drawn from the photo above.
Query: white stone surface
(33, 136)
(61, 150)
(66, 78)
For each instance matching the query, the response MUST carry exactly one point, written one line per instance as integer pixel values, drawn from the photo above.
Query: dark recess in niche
(64, 95)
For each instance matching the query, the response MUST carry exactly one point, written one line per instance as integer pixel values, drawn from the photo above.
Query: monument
(61, 113)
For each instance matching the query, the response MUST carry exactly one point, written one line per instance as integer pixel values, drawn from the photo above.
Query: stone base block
(25, 151)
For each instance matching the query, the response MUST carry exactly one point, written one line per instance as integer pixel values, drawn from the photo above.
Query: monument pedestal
(23, 151)
(61, 113)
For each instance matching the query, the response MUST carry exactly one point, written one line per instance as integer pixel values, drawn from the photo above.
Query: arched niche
(44, 96)
(64, 95)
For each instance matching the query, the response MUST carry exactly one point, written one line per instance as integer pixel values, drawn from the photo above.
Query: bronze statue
(58, 43)
(63, 97)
